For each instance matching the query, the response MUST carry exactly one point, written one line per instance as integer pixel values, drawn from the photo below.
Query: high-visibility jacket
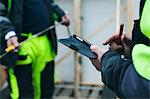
(130, 78)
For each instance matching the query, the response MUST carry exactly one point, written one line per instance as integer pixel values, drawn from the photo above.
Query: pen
(120, 34)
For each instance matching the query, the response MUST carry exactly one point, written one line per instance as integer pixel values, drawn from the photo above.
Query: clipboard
(79, 45)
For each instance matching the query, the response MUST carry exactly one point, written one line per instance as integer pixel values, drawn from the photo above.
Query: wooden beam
(66, 55)
(77, 27)
(129, 17)
(77, 17)
(117, 14)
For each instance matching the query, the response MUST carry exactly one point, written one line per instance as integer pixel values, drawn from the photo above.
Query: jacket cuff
(10, 34)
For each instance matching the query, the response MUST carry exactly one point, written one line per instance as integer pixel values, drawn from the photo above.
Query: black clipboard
(79, 45)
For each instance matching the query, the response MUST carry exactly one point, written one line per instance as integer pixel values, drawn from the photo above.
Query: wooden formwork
(78, 28)
(66, 91)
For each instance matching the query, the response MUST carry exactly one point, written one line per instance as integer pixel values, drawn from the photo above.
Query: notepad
(79, 45)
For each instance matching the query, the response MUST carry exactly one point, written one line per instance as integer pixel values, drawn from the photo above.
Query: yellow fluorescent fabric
(145, 19)
(141, 60)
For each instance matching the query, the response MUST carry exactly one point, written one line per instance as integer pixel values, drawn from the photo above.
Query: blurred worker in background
(3, 83)
(33, 75)
(3, 77)
(125, 68)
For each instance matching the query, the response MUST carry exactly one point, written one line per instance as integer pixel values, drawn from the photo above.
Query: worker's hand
(126, 45)
(99, 51)
(113, 38)
(66, 20)
(124, 48)
(13, 41)
(113, 42)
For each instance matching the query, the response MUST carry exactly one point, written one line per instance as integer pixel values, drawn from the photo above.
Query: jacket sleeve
(113, 68)
(57, 12)
(120, 75)
(135, 86)
(5, 23)
(5, 26)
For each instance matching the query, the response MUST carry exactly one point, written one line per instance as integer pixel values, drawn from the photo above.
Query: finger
(119, 47)
(66, 20)
(126, 40)
(97, 50)
(15, 42)
(8, 43)
(125, 37)
(111, 39)
(94, 48)
(115, 46)
(67, 17)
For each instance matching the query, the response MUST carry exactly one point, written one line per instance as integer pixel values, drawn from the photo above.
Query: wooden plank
(76, 77)
(117, 14)
(59, 92)
(67, 92)
(129, 17)
(63, 58)
(97, 91)
(84, 93)
(77, 27)
(56, 92)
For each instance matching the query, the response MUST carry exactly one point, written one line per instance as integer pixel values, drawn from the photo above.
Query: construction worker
(33, 75)
(125, 68)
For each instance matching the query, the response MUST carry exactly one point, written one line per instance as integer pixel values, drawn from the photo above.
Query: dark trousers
(23, 75)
